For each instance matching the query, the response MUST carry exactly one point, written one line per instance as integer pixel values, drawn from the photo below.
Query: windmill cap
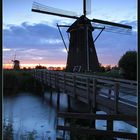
(16, 61)
(80, 22)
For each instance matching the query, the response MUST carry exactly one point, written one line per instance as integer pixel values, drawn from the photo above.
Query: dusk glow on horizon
(35, 40)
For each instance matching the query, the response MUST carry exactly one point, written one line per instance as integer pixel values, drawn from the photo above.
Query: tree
(102, 68)
(108, 68)
(128, 64)
(40, 67)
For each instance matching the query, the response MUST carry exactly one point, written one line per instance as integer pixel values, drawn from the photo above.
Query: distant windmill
(16, 63)
(81, 53)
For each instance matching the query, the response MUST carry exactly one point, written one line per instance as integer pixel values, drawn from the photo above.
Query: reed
(16, 81)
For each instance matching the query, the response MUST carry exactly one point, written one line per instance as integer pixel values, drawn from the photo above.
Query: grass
(114, 74)
(8, 133)
(15, 81)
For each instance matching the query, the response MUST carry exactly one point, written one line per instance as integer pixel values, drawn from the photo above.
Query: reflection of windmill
(16, 63)
(82, 54)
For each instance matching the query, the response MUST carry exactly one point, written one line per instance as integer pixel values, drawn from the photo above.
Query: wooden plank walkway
(102, 93)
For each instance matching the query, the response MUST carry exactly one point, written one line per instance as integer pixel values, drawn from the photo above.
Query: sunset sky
(35, 39)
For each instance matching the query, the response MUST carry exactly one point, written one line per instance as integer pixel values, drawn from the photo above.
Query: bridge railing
(115, 94)
(107, 86)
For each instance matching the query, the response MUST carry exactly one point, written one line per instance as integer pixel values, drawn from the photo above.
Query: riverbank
(15, 81)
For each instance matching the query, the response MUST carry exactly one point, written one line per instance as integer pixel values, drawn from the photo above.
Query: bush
(128, 64)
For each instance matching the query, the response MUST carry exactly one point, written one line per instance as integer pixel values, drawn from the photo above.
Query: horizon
(32, 66)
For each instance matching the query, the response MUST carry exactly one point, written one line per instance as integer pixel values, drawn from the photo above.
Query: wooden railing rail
(80, 83)
(86, 116)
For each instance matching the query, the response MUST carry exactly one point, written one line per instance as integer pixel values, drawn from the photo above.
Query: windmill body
(16, 64)
(78, 52)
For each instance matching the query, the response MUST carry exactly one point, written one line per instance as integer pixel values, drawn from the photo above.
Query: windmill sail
(88, 7)
(112, 29)
(111, 23)
(37, 7)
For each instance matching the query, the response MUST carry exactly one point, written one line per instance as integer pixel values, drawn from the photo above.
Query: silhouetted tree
(58, 68)
(128, 64)
(40, 67)
(24, 68)
(107, 68)
(115, 68)
(102, 68)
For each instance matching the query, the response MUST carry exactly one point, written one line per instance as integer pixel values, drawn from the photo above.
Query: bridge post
(46, 77)
(116, 94)
(50, 86)
(34, 76)
(58, 92)
(116, 98)
(93, 104)
(64, 82)
(42, 82)
(55, 79)
(58, 100)
(74, 85)
(110, 127)
(88, 94)
(50, 79)
(109, 94)
(109, 124)
(94, 93)
(69, 103)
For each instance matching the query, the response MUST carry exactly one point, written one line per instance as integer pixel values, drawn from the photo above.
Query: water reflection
(33, 115)
(28, 112)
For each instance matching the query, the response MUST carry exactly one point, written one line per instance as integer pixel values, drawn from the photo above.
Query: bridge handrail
(66, 79)
(124, 82)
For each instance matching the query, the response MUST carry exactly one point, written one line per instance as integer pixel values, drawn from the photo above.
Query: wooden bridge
(114, 96)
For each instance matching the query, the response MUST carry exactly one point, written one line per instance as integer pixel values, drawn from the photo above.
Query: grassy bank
(114, 74)
(16, 81)
(10, 134)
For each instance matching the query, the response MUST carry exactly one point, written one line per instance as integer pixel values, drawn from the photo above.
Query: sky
(35, 39)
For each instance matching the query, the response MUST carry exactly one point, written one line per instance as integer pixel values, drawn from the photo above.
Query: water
(30, 113)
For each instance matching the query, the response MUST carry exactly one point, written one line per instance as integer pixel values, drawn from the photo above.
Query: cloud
(28, 36)
(131, 23)
(42, 43)
(6, 49)
(34, 43)
(51, 41)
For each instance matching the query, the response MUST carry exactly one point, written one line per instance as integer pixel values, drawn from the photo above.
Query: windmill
(82, 54)
(16, 63)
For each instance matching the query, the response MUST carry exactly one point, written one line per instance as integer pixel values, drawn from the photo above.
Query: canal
(35, 116)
